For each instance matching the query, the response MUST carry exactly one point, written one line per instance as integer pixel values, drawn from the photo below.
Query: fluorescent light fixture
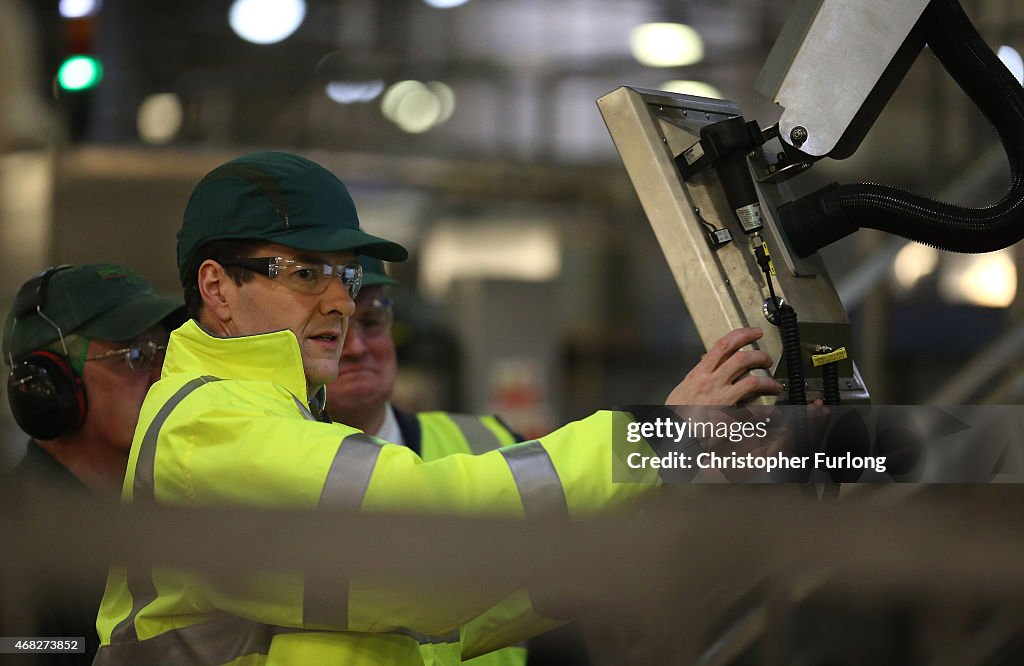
(525, 250)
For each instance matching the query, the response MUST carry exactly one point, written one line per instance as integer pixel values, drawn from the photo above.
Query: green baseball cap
(102, 301)
(279, 198)
(374, 274)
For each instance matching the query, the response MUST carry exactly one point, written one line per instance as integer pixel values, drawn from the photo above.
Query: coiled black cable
(834, 211)
(830, 383)
(789, 331)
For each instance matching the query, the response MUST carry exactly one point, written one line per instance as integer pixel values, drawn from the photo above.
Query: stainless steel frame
(723, 287)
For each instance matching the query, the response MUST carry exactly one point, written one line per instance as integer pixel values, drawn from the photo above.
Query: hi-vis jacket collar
(272, 357)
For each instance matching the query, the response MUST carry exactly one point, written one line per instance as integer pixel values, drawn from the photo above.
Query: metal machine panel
(724, 288)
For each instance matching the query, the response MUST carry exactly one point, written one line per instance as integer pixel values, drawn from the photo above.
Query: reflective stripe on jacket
(445, 433)
(226, 424)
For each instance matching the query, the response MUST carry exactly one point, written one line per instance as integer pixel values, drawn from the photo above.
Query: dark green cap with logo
(374, 273)
(279, 198)
(102, 301)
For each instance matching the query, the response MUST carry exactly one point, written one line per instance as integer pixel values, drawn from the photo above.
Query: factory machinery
(718, 189)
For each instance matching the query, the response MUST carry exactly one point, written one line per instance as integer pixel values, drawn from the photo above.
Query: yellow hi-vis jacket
(445, 433)
(227, 424)
(434, 435)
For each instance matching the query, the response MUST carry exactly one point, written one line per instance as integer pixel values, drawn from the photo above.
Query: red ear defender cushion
(46, 395)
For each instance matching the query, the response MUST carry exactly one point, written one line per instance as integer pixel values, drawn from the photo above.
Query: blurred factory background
(468, 131)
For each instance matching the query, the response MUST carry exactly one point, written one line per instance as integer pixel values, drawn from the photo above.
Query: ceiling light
(987, 280)
(266, 21)
(159, 118)
(416, 106)
(351, 92)
(78, 8)
(417, 111)
(446, 97)
(666, 45)
(394, 95)
(913, 262)
(445, 4)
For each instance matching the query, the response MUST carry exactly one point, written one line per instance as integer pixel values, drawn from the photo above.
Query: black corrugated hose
(789, 332)
(837, 210)
(830, 383)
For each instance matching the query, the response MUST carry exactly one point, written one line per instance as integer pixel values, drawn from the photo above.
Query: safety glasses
(374, 319)
(303, 277)
(138, 357)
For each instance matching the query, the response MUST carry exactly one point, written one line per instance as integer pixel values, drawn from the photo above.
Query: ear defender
(46, 395)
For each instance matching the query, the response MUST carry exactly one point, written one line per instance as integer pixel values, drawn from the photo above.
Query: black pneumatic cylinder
(739, 191)
(729, 141)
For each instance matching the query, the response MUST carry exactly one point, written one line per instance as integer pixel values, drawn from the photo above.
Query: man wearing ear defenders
(83, 344)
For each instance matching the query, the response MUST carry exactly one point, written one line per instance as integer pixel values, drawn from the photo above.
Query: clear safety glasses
(372, 319)
(140, 356)
(303, 277)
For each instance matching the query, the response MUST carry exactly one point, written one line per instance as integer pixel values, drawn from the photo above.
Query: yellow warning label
(831, 357)
(771, 264)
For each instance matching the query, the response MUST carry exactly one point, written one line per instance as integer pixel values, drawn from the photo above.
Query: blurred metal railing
(701, 575)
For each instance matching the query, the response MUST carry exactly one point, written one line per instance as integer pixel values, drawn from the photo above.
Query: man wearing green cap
(267, 255)
(83, 345)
